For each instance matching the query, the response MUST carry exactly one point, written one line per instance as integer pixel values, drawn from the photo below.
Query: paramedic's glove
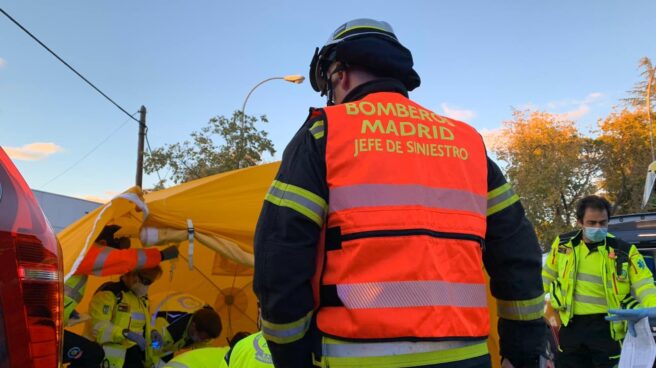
(631, 316)
(136, 338)
(169, 253)
(156, 340)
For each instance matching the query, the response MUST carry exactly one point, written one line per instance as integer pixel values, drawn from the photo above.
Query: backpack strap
(622, 249)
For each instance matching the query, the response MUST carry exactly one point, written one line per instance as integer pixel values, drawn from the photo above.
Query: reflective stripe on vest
(407, 208)
(582, 276)
(338, 354)
(349, 350)
(374, 195)
(402, 294)
(590, 299)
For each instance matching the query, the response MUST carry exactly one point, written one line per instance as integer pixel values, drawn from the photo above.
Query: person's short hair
(208, 321)
(594, 202)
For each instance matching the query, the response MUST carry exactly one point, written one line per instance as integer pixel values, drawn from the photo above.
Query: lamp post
(296, 79)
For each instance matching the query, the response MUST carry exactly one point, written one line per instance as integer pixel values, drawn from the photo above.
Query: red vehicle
(31, 277)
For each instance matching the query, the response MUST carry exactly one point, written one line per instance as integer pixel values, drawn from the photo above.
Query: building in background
(61, 210)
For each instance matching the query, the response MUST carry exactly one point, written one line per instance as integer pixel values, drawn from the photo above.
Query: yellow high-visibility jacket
(623, 273)
(115, 308)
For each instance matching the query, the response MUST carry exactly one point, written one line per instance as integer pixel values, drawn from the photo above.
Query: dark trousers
(81, 352)
(134, 357)
(586, 342)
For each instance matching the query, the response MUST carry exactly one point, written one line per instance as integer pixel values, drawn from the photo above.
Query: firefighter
(120, 318)
(107, 256)
(588, 272)
(370, 247)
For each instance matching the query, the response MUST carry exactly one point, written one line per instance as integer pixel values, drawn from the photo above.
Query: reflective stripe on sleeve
(521, 310)
(175, 365)
(379, 195)
(114, 352)
(75, 292)
(550, 272)
(404, 294)
(643, 282)
(300, 200)
(500, 199)
(142, 257)
(99, 262)
(317, 129)
(103, 332)
(645, 293)
(285, 333)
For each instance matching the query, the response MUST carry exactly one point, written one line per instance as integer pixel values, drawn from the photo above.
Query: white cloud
(493, 138)
(33, 151)
(575, 109)
(3, 62)
(457, 114)
(577, 113)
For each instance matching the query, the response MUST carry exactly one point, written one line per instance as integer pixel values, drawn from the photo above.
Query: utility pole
(140, 147)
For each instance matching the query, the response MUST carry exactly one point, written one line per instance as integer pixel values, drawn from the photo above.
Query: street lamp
(296, 79)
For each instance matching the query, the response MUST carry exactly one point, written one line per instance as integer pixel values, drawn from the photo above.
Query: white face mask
(139, 289)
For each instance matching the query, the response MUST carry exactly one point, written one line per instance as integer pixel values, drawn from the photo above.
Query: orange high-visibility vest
(402, 252)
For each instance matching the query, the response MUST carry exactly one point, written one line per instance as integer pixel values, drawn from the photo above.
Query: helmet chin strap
(330, 95)
(330, 91)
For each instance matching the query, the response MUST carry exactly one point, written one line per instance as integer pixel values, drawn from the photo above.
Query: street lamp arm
(296, 79)
(243, 106)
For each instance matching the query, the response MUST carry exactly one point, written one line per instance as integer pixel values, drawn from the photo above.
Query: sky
(188, 61)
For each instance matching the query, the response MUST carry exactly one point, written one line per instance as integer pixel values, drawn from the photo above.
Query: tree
(625, 143)
(202, 156)
(640, 95)
(550, 165)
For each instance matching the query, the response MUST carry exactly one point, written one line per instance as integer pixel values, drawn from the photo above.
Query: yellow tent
(222, 211)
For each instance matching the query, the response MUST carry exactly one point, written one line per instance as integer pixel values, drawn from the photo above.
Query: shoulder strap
(622, 250)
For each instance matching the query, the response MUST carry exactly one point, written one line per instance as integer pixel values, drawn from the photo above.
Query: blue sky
(187, 61)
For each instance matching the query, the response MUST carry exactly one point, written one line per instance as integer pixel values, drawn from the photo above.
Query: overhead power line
(92, 150)
(68, 65)
(151, 153)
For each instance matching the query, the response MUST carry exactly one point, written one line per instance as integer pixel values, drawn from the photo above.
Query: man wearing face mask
(119, 317)
(588, 272)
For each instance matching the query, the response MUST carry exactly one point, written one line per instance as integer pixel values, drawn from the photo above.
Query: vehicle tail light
(31, 274)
